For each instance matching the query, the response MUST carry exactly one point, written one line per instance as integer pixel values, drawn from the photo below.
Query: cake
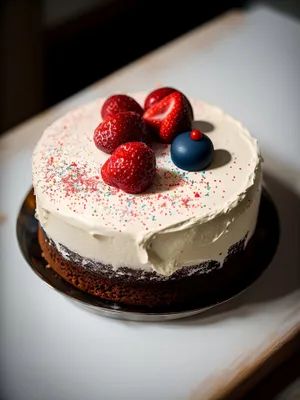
(187, 235)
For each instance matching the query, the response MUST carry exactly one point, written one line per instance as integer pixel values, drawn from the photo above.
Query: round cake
(187, 235)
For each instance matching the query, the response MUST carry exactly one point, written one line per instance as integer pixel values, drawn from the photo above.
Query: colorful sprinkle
(76, 183)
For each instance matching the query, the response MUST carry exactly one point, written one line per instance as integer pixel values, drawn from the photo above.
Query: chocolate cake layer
(141, 288)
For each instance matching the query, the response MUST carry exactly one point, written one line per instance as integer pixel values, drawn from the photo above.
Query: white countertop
(249, 65)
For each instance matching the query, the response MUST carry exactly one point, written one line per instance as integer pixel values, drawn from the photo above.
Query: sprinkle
(72, 179)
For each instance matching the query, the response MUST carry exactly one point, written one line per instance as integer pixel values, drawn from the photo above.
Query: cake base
(265, 237)
(141, 288)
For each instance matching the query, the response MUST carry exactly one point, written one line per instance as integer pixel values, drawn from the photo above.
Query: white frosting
(183, 219)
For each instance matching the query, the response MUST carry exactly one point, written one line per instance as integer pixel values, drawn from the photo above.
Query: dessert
(148, 222)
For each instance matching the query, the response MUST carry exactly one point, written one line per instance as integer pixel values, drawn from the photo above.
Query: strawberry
(119, 103)
(170, 116)
(124, 127)
(131, 167)
(158, 94)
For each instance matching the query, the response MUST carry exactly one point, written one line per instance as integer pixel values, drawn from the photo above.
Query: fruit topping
(156, 95)
(196, 134)
(170, 116)
(131, 168)
(192, 151)
(119, 103)
(117, 129)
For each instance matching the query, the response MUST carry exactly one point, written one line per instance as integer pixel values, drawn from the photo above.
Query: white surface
(51, 349)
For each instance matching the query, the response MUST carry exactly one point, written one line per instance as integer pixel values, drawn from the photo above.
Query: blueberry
(192, 151)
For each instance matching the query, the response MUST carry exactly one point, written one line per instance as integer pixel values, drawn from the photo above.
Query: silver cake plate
(266, 238)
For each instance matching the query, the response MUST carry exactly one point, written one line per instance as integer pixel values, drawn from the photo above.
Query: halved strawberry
(170, 116)
(131, 167)
(158, 94)
(119, 103)
(123, 127)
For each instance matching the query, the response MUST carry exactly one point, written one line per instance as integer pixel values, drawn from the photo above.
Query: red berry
(170, 116)
(131, 168)
(121, 128)
(196, 134)
(156, 95)
(119, 103)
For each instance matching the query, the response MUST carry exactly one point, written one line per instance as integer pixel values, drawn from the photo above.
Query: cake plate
(266, 238)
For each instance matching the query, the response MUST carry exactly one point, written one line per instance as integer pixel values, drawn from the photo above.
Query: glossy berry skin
(131, 168)
(117, 129)
(192, 155)
(169, 117)
(156, 95)
(120, 103)
(196, 134)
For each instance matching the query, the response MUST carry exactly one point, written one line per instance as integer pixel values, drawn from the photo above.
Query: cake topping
(170, 116)
(147, 230)
(196, 134)
(156, 95)
(118, 103)
(66, 167)
(131, 168)
(192, 151)
(121, 128)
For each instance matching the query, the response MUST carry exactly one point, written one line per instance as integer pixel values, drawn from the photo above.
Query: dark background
(51, 49)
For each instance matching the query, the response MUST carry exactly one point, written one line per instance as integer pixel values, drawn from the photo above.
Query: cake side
(148, 289)
(184, 219)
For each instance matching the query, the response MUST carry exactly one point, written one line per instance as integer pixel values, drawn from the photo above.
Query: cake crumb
(3, 218)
